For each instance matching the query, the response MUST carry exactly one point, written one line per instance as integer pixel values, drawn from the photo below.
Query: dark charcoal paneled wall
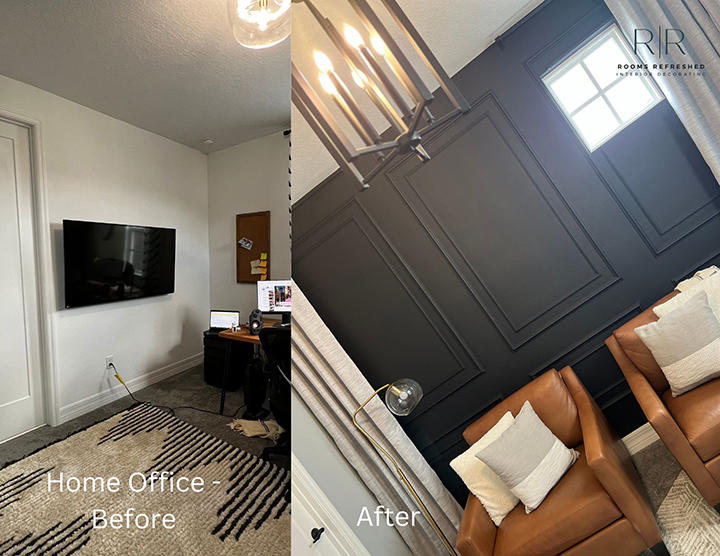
(514, 250)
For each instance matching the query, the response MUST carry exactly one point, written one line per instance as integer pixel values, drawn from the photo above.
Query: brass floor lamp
(401, 398)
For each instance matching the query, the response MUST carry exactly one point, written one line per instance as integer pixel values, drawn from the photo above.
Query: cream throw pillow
(686, 344)
(696, 278)
(495, 496)
(711, 286)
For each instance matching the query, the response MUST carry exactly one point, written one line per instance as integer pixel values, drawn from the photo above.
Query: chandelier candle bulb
(385, 81)
(355, 40)
(335, 87)
(323, 62)
(353, 37)
(330, 88)
(378, 44)
(380, 102)
(379, 47)
(371, 135)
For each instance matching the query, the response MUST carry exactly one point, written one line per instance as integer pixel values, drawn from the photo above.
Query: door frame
(306, 493)
(44, 263)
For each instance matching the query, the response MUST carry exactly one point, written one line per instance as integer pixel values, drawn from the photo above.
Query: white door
(21, 385)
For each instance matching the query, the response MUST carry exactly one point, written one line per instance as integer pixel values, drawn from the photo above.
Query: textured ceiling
(168, 66)
(457, 31)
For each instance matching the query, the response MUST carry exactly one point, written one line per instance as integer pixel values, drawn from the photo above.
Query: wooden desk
(241, 335)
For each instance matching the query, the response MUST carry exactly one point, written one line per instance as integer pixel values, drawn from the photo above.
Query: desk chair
(276, 345)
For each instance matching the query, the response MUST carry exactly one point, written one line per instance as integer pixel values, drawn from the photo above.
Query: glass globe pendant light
(260, 23)
(402, 396)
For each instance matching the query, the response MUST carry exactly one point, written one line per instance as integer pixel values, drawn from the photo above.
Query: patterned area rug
(689, 525)
(242, 510)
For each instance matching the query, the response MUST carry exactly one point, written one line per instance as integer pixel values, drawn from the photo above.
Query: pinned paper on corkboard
(253, 246)
(258, 267)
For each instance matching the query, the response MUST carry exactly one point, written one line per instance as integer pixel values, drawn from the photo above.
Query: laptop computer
(223, 320)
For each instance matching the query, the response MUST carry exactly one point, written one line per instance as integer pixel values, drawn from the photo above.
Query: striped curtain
(332, 387)
(696, 100)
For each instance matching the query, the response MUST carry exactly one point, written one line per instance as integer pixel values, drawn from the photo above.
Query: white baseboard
(100, 399)
(317, 506)
(640, 438)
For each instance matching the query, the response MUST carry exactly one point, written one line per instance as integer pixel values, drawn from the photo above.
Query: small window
(598, 98)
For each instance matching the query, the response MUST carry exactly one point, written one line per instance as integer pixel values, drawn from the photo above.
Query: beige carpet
(241, 512)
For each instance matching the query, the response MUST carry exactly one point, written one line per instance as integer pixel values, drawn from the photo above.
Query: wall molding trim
(306, 492)
(640, 438)
(100, 399)
(354, 212)
(516, 334)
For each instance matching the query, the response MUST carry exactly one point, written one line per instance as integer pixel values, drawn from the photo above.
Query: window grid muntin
(612, 32)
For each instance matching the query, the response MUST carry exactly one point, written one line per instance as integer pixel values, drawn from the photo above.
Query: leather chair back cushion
(638, 353)
(550, 399)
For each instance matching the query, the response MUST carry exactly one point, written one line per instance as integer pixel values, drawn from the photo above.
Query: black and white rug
(237, 507)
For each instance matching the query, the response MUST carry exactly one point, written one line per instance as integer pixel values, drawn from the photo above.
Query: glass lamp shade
(402, 396)
(260, 23)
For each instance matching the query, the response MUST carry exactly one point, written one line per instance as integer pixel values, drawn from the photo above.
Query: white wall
(249, 177)
(338, 480)
(98, 168)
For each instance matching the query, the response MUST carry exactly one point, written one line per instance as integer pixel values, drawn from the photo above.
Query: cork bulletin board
(253, 247)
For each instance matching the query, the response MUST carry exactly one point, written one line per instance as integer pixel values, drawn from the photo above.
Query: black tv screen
(105, 263)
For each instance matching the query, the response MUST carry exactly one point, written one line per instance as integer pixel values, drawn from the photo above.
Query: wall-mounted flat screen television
(105, 263)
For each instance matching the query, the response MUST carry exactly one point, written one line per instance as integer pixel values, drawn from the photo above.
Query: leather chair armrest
(664, 424)
(476, 536)
(609, 459)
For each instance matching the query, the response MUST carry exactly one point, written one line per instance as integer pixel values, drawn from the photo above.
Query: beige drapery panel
(696, 100)
(332, 387)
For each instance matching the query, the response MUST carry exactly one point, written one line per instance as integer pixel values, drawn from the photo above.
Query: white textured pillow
(711, 286)
(686, 344)
(529, 458)
(495, 496)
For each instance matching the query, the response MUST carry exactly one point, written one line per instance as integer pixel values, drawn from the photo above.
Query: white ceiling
(456, 31)
(171, 67)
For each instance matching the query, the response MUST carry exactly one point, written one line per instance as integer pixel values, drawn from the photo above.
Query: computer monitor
(275, 296)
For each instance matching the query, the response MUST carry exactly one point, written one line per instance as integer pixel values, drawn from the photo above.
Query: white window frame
(576, 59)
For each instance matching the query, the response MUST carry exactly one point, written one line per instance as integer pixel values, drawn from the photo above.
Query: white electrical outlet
(108, 361)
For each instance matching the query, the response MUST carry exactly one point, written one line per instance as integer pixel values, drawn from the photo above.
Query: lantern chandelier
(373, 60)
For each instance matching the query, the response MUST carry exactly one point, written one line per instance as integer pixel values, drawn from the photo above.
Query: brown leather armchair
(689, 425)
(598, 508)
